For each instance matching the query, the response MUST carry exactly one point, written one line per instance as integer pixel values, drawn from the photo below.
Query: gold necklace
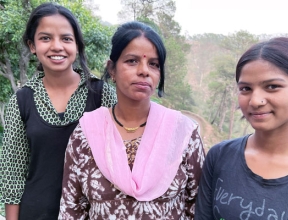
(129, 130)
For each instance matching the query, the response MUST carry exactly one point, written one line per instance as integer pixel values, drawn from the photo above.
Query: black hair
(274, 51)
(125, 34)
(48, 9)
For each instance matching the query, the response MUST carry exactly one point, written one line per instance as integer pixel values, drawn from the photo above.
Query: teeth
(56, 57)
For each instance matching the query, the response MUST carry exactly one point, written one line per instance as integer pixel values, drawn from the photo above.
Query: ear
(111, 68)
(32, 47)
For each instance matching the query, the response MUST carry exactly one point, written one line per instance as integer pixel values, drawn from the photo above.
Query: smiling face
(263, 96)
(137, 71)
(54, 44)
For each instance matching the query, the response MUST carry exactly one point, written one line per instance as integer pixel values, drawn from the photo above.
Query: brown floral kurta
(87, 194)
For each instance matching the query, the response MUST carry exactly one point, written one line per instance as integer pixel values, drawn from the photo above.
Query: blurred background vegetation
(200, 69)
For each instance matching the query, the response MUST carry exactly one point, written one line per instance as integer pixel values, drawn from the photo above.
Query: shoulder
(190, 121)
(93, 119)
(35, 82)
(108, 88)
(99, 111)
(13, 99)
(77, 142)
(96, 80)
(23, 91)
(227, 148)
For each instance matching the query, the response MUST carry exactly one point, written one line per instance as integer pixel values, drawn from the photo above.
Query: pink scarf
(158, 157)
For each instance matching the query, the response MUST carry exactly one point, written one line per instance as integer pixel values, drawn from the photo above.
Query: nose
(56, 45)
(143, 69)
(257, 99)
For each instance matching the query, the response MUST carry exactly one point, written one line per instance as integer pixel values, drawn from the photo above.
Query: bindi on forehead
(144, 55)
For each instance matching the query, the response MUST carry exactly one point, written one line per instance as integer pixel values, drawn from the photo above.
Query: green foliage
(12, 22)
(178, 91)
(5, 90)
(221, 85)
(96, 36)
(135, 9)
(216, 57)
(238, 42)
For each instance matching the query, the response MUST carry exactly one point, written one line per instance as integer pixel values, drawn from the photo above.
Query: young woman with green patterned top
(44, 112)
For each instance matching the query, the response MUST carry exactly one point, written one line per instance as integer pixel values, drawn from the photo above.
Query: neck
(130, 118)
(271, 142)
(130, 112)
(57, 80)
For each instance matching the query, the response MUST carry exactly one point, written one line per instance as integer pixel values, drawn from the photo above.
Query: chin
(263, 128)
(142, 98)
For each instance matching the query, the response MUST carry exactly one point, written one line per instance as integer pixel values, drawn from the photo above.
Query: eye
(155, 65)
(244, 89)
(131, 61)
(68, 39)
(273, 87)
(45, 38)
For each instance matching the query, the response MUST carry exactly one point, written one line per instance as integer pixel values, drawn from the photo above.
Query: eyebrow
(263, 82)
(134, 55)
(45, 33)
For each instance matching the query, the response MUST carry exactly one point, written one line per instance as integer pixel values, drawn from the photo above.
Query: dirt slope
(209, 135)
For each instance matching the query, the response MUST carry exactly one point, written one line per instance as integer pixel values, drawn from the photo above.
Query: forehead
(140, 46)
(54, 22)
(260, 70)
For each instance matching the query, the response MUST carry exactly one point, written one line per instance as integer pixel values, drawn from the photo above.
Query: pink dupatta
(158, 157)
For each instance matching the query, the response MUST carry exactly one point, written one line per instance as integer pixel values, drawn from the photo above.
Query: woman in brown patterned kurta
(168, 150)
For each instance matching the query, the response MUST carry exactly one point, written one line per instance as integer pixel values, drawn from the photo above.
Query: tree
(237, 44)
(135, 9)
(178, 91)
(222, 86)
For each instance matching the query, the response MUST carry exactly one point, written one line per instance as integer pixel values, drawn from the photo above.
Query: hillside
(210, 136)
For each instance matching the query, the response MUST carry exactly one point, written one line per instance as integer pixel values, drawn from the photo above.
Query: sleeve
(204, 198)
(73, 204)
(195, 158)
(109, 96)
(15, 156)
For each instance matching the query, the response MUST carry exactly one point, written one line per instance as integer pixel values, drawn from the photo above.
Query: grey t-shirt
(229, 190)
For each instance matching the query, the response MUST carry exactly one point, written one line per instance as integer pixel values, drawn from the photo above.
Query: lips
(56, 57)
(142, 84)
(260, 115)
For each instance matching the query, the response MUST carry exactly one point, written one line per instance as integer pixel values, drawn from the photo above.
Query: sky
(219, 16)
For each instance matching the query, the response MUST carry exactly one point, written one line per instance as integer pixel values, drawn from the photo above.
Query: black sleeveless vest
(47, 145)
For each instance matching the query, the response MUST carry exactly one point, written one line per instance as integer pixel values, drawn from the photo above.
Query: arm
(195, 159)
(12, 212)
(73, 205)
(205, 198)
(14, 159)
(109, 96)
